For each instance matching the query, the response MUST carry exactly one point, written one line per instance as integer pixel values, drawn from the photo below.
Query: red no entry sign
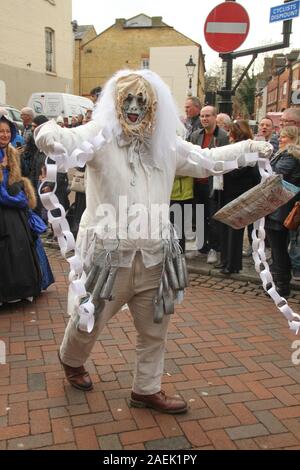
(226, 27)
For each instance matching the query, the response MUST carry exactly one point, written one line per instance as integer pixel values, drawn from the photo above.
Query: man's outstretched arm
(50, 133)
(197, 162)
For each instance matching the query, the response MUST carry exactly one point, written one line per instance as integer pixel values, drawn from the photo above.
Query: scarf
(139, 150)
(2, 155)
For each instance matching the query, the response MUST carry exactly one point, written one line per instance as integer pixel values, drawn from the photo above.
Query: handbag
(78, 182)
(258, 202)
(292, 221)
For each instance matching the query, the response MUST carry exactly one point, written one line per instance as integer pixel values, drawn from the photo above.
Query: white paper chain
(84, 307)
(261, 264)
(217, 168)
(77, 277)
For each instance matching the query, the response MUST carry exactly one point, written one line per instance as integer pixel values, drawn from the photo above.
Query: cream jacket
(132, 194)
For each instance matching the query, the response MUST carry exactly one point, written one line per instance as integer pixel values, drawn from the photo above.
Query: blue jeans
(294, 250)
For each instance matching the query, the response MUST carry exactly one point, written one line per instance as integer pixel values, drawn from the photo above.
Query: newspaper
(256, 203)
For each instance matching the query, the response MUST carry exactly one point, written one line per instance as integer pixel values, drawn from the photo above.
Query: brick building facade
(281, 88)
(130, 44)
(284, 82)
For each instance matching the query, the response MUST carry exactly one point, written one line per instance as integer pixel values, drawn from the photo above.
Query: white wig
(167, 122)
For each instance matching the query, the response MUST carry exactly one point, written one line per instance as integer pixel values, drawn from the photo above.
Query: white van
(53, 104)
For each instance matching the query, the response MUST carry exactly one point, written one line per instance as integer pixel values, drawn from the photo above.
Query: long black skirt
(20, 275)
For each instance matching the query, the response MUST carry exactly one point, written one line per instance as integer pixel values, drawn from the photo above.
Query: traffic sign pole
(226, 93)
(225, 103)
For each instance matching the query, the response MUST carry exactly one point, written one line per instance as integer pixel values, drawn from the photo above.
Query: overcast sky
(188, 18)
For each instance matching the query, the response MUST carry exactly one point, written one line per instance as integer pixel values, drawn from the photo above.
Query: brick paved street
(229, 355)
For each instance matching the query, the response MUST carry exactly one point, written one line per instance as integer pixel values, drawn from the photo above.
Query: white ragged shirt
(125, 188)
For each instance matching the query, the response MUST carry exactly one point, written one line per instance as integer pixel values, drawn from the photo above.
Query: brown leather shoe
(78, 377)
(160, 402)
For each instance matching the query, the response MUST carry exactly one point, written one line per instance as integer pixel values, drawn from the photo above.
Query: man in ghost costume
(132, 150)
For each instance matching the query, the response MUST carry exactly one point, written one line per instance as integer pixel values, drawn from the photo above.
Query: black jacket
(239, 181)
(287, 164)
(192, 125)
(219, 138)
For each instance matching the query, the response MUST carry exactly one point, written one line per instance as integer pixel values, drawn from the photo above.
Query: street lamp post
(190, 67)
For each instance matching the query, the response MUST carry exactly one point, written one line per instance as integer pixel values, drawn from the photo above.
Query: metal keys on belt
(100, 281)
(173, 281)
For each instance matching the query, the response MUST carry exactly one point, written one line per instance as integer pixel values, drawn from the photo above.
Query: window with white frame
(284, 89)
(49, 43)
(145, 63)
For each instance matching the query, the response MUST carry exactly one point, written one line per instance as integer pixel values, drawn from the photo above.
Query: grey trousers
(135, 286)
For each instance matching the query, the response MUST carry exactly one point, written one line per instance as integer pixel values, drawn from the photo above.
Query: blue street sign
(288, 11)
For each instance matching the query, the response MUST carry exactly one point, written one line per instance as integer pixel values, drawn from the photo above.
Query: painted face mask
(136, 105)
(134, 108)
